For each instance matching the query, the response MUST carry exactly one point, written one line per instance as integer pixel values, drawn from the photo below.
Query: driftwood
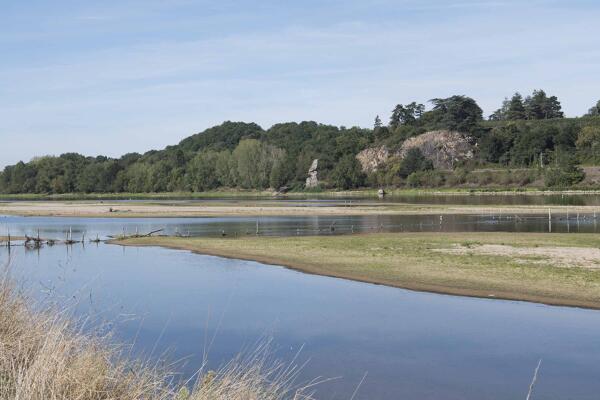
(29, 239)
(97, 240)
(153, 232)
(136, 235)
(34, 242)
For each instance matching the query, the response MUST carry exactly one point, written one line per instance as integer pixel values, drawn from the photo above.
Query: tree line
(524, 132)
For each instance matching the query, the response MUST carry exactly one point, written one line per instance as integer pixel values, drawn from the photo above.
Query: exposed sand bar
(13, 240)
(258, 208)
(528, 266)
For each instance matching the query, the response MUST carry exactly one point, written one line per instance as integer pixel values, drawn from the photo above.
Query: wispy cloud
(147, 77)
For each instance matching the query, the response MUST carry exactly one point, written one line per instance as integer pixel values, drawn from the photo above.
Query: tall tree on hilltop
(516, 108)
(395, 118)
(460, 113)
(553, 108)
(419, 109)
(406, 115)
(377, 124)
(540, 106)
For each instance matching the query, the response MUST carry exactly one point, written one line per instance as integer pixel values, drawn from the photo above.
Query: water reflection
(413, 345)
(58, 228)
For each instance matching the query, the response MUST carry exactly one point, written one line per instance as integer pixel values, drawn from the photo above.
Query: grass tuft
(45, 356)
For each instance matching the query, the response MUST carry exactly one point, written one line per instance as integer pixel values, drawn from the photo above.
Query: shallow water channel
(410, 345)
(56, 228)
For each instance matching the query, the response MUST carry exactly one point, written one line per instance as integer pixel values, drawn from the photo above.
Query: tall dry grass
(45, 356)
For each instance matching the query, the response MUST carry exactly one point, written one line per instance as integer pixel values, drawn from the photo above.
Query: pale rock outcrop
(372, 158)
(444, 148)
(313, 181)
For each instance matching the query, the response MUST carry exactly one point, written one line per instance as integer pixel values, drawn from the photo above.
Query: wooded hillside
(526, 132)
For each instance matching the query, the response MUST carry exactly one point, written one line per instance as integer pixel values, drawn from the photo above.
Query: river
(405, 344)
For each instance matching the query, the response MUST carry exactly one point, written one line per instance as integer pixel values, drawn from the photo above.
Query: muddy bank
(256, 208)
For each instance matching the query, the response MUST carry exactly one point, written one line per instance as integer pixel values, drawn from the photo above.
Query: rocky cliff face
(372, 158)
(444, 148)
(312, 180)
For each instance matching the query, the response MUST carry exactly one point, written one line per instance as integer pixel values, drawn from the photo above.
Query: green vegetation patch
(424, 261)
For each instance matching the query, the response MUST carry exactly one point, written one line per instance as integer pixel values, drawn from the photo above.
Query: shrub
(588, 144)
(426, 179)
(347, 174)
(566, 173)
(414, 161)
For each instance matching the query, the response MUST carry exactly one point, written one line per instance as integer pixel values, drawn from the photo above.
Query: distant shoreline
(258, 208)
(359, 193)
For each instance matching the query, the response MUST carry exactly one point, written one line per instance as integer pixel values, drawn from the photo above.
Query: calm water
(56, 228)
(411, 345)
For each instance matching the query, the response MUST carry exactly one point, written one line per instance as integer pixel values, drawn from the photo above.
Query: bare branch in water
(532, 384)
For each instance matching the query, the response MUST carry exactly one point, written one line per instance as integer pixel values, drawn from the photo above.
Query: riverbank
(4, 239)
(249, 194)
(220, 208)
(46, 355)
(557, 269)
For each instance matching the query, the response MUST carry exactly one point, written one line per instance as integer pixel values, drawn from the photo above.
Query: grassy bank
(239, 193)
(561, 269)
(44, 355)
(229, 193)
(251, 194)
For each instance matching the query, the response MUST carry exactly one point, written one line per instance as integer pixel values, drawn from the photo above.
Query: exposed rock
(313, 181)
(444, 148)
(372, 158)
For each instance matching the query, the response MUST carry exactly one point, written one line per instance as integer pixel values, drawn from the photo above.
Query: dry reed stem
(44, 356)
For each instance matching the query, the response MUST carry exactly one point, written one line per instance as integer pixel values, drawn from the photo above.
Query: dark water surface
(411, 345)
(57, 227)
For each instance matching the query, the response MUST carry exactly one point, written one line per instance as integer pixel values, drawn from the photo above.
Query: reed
(45, 355)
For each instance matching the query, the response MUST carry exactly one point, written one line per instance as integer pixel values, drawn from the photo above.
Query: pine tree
(516, 109)
(540, 106)
(377, 123)
(396, 115)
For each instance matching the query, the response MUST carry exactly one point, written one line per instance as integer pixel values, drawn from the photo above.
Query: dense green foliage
(588, 144)
(523, 133)
(233, 154)
(564, 173)
(536, 106)
(413, 161)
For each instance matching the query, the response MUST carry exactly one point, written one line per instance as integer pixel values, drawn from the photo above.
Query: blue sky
(110, 77)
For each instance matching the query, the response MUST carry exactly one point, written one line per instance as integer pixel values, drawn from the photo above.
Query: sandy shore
(13, 239)
(487, 265)
(258, 208)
